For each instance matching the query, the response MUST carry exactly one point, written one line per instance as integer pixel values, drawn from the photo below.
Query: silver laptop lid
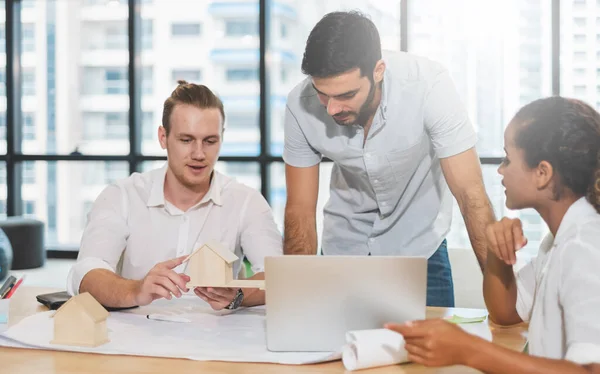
(312, 301)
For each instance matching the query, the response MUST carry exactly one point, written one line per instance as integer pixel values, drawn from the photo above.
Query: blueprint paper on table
(210, 336)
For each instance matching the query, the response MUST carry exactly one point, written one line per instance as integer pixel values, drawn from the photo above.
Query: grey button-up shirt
(388, 197)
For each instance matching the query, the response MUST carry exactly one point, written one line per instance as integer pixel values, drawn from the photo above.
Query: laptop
(312, 301)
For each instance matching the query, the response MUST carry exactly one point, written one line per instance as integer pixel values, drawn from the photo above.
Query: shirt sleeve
(259, 235)
(296, 150)
(525, 290)
(446, 118)
(104, 238)
(580, 301)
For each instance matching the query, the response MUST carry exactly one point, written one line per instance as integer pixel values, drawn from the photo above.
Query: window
(116, 37)
(238, 75)
(147, 33)
(28, 34)
(574, 80)
(241, 28)
(579, 91)
(148, 126)
(115, 171)
(29, 172)
(191, 76)
(116, 126)
(29, 208)
(579, 38)
(457, 32)
(183, 54)
(28, 126)
(116, 81)
(579, 22)
(185, 29)
(29, 82)
(284, 30)
(147, 80)
(240, 121)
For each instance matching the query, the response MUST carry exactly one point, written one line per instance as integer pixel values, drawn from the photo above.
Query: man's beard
(364, 112)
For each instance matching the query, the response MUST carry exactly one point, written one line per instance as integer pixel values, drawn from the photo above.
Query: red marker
(12, 290)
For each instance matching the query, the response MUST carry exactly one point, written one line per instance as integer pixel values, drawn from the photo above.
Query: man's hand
(161, 282)
(217, 297)
(434, 342)
(504, 238)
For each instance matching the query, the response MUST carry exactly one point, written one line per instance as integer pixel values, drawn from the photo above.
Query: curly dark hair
(339, 42)
(566, 133)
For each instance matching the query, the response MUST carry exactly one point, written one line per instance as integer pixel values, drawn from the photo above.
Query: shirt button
(371, 240)
(384, 204)
(369, 155)
(376, 181)
(185, 218)
(358, 131)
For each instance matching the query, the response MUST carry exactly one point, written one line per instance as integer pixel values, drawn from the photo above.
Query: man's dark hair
(342, 41)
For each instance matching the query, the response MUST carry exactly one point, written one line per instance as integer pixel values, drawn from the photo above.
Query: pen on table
(10, 282)
(14, 288)
(162, 317)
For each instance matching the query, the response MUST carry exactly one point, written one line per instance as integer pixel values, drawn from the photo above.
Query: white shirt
(131, 227)
(388, 195)
(559, 291)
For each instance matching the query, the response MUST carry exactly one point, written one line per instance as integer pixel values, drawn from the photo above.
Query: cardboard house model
(81, 321)
(211, 265)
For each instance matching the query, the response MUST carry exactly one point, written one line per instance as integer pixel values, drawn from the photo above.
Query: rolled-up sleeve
(446, 118)
(259, 236)
(297, 151)
(104, 238)
(525, 279)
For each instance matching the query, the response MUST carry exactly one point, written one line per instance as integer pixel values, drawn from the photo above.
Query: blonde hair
(197, 95)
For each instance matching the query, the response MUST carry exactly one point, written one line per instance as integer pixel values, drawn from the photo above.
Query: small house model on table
(211, 265)
(81, 321)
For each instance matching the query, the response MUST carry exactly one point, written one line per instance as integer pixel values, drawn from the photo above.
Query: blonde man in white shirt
(552, 165)
(140, 229)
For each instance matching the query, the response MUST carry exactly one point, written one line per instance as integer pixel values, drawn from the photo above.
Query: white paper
(380, 347)
(372, 348)
(210, 336)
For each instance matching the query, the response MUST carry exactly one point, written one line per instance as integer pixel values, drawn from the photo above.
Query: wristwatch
(237, 300)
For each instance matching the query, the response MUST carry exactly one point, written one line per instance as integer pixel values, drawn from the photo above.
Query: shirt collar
(157, 194)
(576, 214)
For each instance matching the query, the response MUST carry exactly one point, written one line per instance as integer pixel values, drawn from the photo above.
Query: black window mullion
(13, 107)
(263, 22)
(135, 73)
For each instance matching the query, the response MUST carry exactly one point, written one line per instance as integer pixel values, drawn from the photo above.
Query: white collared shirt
(131, 227)
(558, 293)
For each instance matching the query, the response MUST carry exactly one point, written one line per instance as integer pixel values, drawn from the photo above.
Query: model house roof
(88, 305)
(227, 256)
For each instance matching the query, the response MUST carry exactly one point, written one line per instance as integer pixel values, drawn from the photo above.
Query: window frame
(138, 41)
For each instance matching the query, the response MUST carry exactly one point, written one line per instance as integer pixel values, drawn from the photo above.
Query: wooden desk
(26, 361)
